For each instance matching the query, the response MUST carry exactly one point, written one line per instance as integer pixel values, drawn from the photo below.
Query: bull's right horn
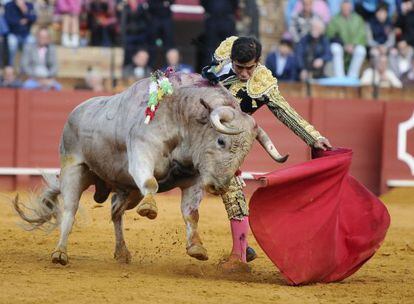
(223, 114)
(270, 148)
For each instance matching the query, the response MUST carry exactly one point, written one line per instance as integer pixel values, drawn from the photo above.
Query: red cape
(315, 221)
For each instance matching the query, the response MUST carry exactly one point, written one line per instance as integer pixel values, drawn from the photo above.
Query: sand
(161, 272)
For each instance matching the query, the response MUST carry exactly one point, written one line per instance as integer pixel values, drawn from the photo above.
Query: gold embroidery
(261, 82)
(236, 87)
(234, 201)
(224, 50)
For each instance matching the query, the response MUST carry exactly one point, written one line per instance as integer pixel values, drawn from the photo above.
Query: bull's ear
(206, 105)
(204, 116)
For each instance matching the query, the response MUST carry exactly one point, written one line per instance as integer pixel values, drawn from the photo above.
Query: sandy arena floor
(161, 272)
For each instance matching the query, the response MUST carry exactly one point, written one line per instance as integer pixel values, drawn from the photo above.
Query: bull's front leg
(141, 168)
(190, 201)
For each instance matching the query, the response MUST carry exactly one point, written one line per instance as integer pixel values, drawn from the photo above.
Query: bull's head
(226, 143)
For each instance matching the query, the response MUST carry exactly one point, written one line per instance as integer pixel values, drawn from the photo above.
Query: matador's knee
(235, 201)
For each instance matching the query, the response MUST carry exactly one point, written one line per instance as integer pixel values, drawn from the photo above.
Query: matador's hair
(246, 49)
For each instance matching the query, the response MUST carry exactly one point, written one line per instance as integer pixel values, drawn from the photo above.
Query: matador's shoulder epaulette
(223, 51)
(261, 82)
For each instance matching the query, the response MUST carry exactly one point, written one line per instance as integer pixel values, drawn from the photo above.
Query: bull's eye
(221, 143)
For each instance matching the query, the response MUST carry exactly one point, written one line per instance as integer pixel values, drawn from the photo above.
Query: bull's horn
(223, 114)
(267, 144)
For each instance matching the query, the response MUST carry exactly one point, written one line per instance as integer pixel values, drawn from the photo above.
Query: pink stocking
(239, 230)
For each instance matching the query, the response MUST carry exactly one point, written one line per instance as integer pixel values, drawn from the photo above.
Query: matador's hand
(322, 143)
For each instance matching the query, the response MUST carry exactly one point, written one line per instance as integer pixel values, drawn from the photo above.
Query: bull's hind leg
(190, 201)
(142, 170)
(74, 179)
(121, 201)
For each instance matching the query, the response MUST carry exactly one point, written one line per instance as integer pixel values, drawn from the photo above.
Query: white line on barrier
(400, 183)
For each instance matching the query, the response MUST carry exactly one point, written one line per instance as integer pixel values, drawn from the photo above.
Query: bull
(197, 140)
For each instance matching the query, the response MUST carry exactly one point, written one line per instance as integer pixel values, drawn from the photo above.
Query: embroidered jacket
(260, 89)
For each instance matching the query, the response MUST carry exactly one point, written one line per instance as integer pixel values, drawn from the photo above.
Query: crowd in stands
(331, 42)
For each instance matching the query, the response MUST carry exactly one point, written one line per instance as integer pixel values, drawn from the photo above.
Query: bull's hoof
(197, 251)
(60, 257)
(123, 255)
(148, 207)
(233, 264)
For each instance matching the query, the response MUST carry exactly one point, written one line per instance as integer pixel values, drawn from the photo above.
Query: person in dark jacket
(313, 52)
(161, 26)
(282, 63)
(20, 15)
(220, 23)
(405, 23)
(102, 22)
(135, 25)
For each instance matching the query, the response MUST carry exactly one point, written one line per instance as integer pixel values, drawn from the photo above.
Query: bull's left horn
(270, 148)
(223, 114)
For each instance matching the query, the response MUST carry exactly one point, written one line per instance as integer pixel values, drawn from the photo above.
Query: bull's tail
(42, 212)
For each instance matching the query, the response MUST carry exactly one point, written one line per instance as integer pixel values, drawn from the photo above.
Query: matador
(236, 65)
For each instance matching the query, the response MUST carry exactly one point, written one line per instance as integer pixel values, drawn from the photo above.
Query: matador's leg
(237, 211)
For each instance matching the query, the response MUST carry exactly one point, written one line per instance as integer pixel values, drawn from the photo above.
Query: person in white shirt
(381, 75)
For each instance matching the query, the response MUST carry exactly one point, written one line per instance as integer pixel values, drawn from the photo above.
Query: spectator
(102, 22)
(367, 8)
(70, 10)
(408, 77)
(348, 39)
(313, 52)
(248, 22)
(139, 68)
(400, 58)
(219, 24)
(9, 79)
(173, 60)
(94, 81)
(301, 22)
(319, 7)
(404, 26)
(380, 35)
(380, 75)
(283, 62)
(4, 29)
(20, 16)
(135, 25)
(162, 29)
(39, 63)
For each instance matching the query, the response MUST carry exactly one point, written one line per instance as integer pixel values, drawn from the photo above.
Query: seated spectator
(70, 11)
(20, 15)
(139, 68)
(39, 63)
(173, 60)
(93, 81)
(367, 8)
(381, 75)
(301, 21)
(319, 7)
(4, 29)
(348, 39)
(408, 77)
(162, 26)
(313, 52)
(9, 79)
(400, 58)
(380, 34)
(283, 62)
(102, 22)
(135, 26)
(404, 26)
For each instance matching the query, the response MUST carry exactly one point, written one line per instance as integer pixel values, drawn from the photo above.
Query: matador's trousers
(235, 201)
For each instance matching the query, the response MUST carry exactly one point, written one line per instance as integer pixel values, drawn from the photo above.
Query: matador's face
(244, 70)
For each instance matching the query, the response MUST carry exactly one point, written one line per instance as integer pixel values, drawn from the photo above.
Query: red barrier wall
(7, 135)
(284, 139)
(355, 124)
(393, 167)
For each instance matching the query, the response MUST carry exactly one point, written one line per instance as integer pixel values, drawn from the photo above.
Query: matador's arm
(263, 85)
